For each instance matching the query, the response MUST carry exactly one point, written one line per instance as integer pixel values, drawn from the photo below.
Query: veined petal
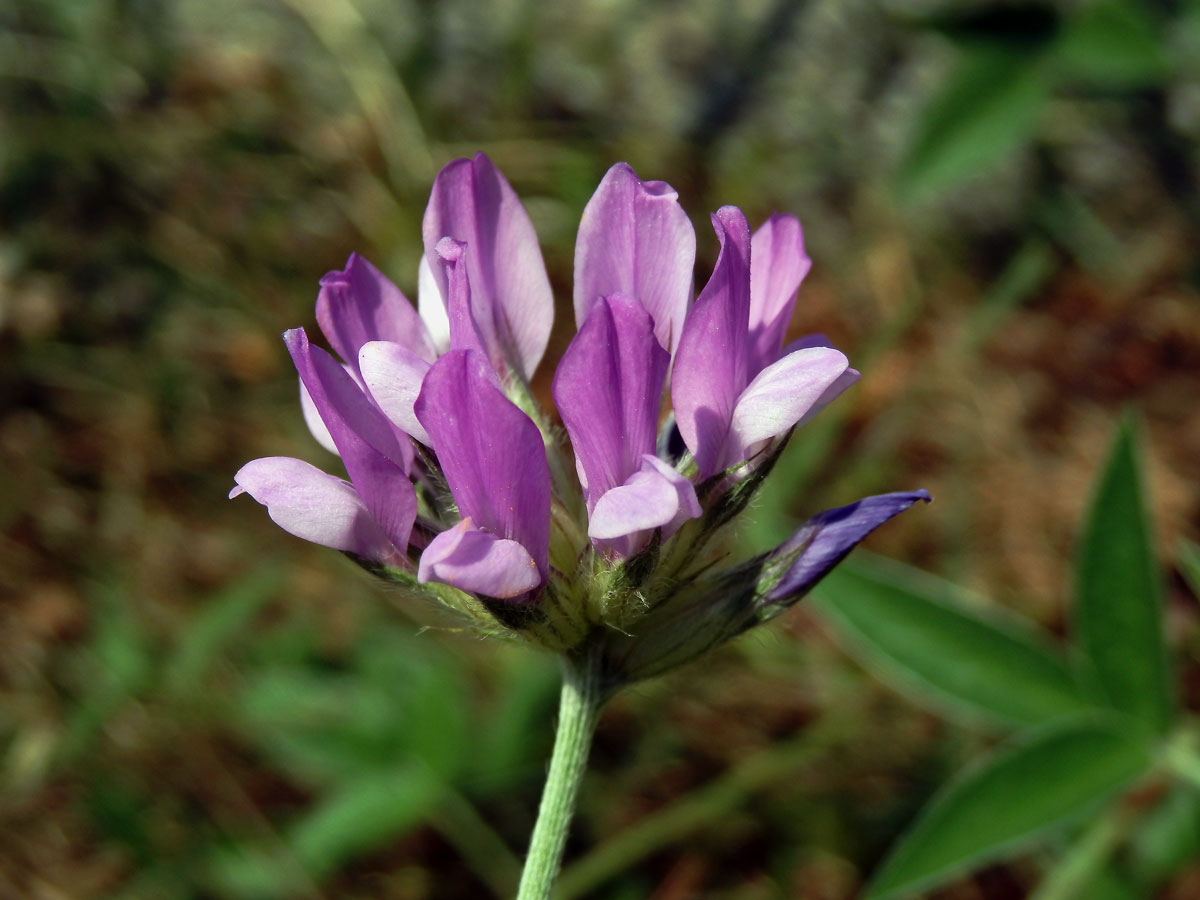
(780, 396)
(635, 238)
(491, 453)
(511, 297)
(312, 418)
(825, 539)
(359, 304)
(656, 496)
(306, 502)
(778, 264)
(431, 307)
(710, 364)
(393, 375)
(608, 388)
(343, 407)
(479, 562)
(376, 459)
(464, 330)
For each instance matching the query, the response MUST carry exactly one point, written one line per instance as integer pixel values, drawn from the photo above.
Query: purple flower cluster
(457, 478)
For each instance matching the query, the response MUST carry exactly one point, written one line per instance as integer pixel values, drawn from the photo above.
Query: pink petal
(359, 304)
(710, 364)
(393, 376)
(780, 396)
(778, 264)
(306, 502)
(656, 496)
(312, 418)
(635, 239)
(608, 388)
(511, 297)
(464, 330)
(431, 307)
(376, 458)
(491, 453)
(479, 563)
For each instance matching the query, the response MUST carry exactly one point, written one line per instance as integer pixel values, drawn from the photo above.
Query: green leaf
(1167, 839)
(1118, 609)
(218, 623)
(1112, 43)
(989, 106)
(1187, 560)
(1017, 794)
(915, 628)
(364, 814)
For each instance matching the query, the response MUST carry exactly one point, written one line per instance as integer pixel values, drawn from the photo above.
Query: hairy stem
(579, 708)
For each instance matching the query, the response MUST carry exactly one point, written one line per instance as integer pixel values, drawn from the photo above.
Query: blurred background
(1002, 206)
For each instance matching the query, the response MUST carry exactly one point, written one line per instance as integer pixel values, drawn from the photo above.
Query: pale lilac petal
(359, 304)
(491, 453)
(634, 238)
(780, 396)
(377, 457)
(393, 375)
(608, 389)
(312, 418)
(306, 502)
(431, 307)
(825, 539)
(480, 563)
(511, 297)
(847, 379)
(656, 496)
(710, 365)
(778, 264)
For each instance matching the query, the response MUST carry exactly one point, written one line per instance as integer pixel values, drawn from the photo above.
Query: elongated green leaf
(1187, 559)
(363, 814)
(1118, 609)
(912, 626)
(989, 106)
(1167, 839)
(1112, 43)
(218, 623)
(1015, 795)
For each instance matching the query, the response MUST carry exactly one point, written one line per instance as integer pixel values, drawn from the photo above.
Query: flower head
(612, 536)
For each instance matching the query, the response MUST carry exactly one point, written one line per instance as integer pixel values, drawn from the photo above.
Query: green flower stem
(578, 710)
(702, 807)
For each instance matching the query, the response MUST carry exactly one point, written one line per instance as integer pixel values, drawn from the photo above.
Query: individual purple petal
(431, 307)
(306, 502)
(463, 329)
(825, 539)
(491, 453)
(359, 304)
(479, 562)
(312, 418)
(780, 396)
(376, 459)
(608, 388)
(710, 364)
(511, 297)
(635, 238)
(655, 496)
(778, 264)
(393, 376)
(847, 379)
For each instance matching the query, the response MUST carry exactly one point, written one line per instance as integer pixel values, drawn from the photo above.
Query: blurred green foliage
(1001, 200)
